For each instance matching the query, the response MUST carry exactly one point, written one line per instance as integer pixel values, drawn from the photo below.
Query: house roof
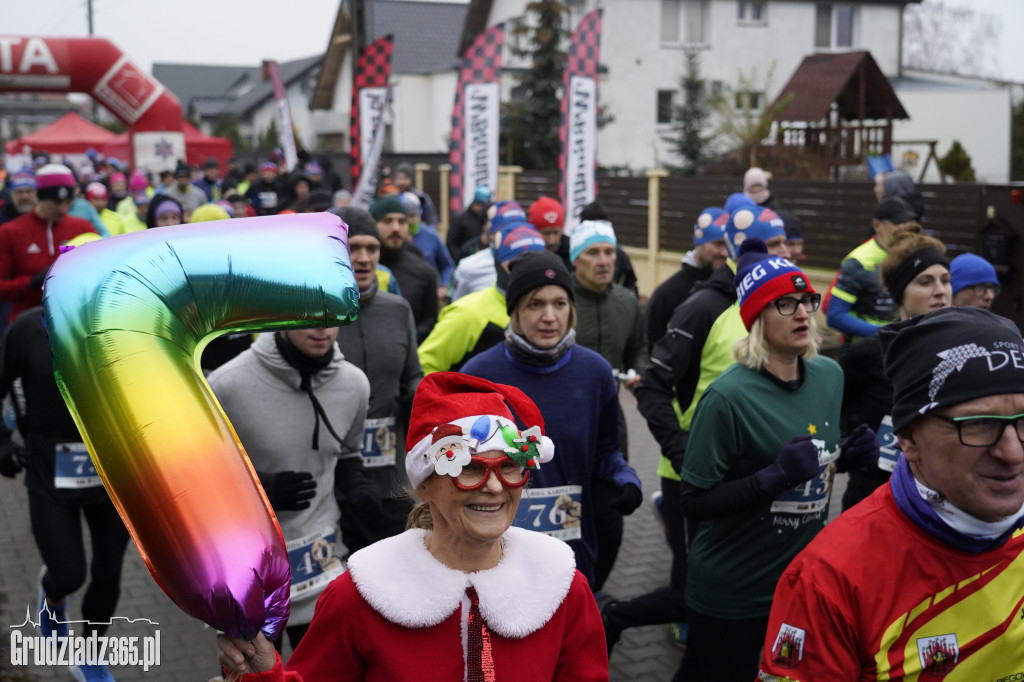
(206, 90)
(842, 79)
(189, 81)
(426, 33)
(426, 36)
(264, 89)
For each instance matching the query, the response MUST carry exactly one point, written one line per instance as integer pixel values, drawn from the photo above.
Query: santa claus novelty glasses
(454, 444)
(475, 474)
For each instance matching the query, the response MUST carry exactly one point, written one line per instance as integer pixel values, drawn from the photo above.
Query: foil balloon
(128, 318)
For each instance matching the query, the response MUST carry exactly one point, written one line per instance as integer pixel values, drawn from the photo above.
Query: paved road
(188, 649)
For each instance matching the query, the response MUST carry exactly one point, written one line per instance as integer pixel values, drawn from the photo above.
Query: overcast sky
(244, 32)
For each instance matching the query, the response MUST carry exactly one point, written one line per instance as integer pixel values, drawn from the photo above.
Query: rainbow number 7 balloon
(128, 318)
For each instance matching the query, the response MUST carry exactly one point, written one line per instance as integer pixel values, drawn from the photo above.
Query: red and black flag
(476, 119)
(577, 134)
(369, 97)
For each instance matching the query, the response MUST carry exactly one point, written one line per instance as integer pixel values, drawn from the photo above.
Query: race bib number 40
(314, 562)
(812, 496)
(72, 467)
(552, 511)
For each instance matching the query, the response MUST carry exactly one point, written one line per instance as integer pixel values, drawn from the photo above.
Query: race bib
(379, 442)
(72, 467)
(888, 447)
(314, 562)
(811, 496)
(553, 511)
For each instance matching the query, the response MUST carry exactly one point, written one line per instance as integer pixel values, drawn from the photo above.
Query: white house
(642, 49)
(973, 111)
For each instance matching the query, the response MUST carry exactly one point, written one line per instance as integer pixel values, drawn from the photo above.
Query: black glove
(627, 500)
(858, 450)
(288, 490)
(36, 280)
(796, 462)
(12, 460)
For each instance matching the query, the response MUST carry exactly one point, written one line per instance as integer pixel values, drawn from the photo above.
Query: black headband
(910, 267)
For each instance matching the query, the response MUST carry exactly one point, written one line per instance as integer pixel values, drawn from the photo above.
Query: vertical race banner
(366, 189)
(369, 96)
(476, 119)
(577, 135)
(285, 131)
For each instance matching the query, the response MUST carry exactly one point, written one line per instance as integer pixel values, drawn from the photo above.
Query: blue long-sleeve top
(578, 399)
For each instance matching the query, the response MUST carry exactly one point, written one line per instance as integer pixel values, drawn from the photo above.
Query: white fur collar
(403, 582)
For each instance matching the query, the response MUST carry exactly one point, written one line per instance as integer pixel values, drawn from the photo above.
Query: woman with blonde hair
(764, 445)
(916, 274)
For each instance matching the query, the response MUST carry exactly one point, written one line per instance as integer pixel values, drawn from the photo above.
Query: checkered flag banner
(369, 94)
(577, 134)
(476, 119)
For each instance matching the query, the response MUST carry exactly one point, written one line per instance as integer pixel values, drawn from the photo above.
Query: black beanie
(895, 210)
(359, 221)
(594, 211)
(947, 357)
(533, 270)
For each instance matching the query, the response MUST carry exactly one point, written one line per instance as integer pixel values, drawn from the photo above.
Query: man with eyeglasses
(974, 281)
(925, 576)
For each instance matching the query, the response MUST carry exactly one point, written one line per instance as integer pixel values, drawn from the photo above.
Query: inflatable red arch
(97, 67)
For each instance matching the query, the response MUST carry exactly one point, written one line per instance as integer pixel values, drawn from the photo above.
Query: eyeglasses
(984, 430)
(475, 474)
(787, 305)
(982, 289)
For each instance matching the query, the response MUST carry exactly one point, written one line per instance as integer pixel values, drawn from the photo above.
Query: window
(749, 99)
(834, 26)
(665, 103)
(751, 12)
(684, 21)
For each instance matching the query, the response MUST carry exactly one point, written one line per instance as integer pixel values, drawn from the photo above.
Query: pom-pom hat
(751, 221)
(456, 415)
(762, 278)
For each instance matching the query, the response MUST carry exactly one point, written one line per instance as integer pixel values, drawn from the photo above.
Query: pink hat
(138, 182)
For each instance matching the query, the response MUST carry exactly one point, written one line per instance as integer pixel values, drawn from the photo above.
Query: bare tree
(951, 39)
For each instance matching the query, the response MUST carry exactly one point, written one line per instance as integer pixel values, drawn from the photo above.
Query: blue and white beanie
(751, 221)
(710, 225)
(588, 233)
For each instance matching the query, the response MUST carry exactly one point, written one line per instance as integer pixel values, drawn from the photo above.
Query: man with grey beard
(20, 196)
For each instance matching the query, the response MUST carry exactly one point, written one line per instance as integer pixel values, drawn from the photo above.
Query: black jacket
(675, 366)
(666, 297)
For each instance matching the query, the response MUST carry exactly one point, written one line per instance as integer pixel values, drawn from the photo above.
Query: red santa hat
(449, 405)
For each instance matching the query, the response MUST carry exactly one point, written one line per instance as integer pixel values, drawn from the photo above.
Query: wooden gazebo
(841, 107)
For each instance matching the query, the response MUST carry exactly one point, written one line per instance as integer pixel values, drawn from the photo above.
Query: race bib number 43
(72, 467)
(552, 511)
(812, 496)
